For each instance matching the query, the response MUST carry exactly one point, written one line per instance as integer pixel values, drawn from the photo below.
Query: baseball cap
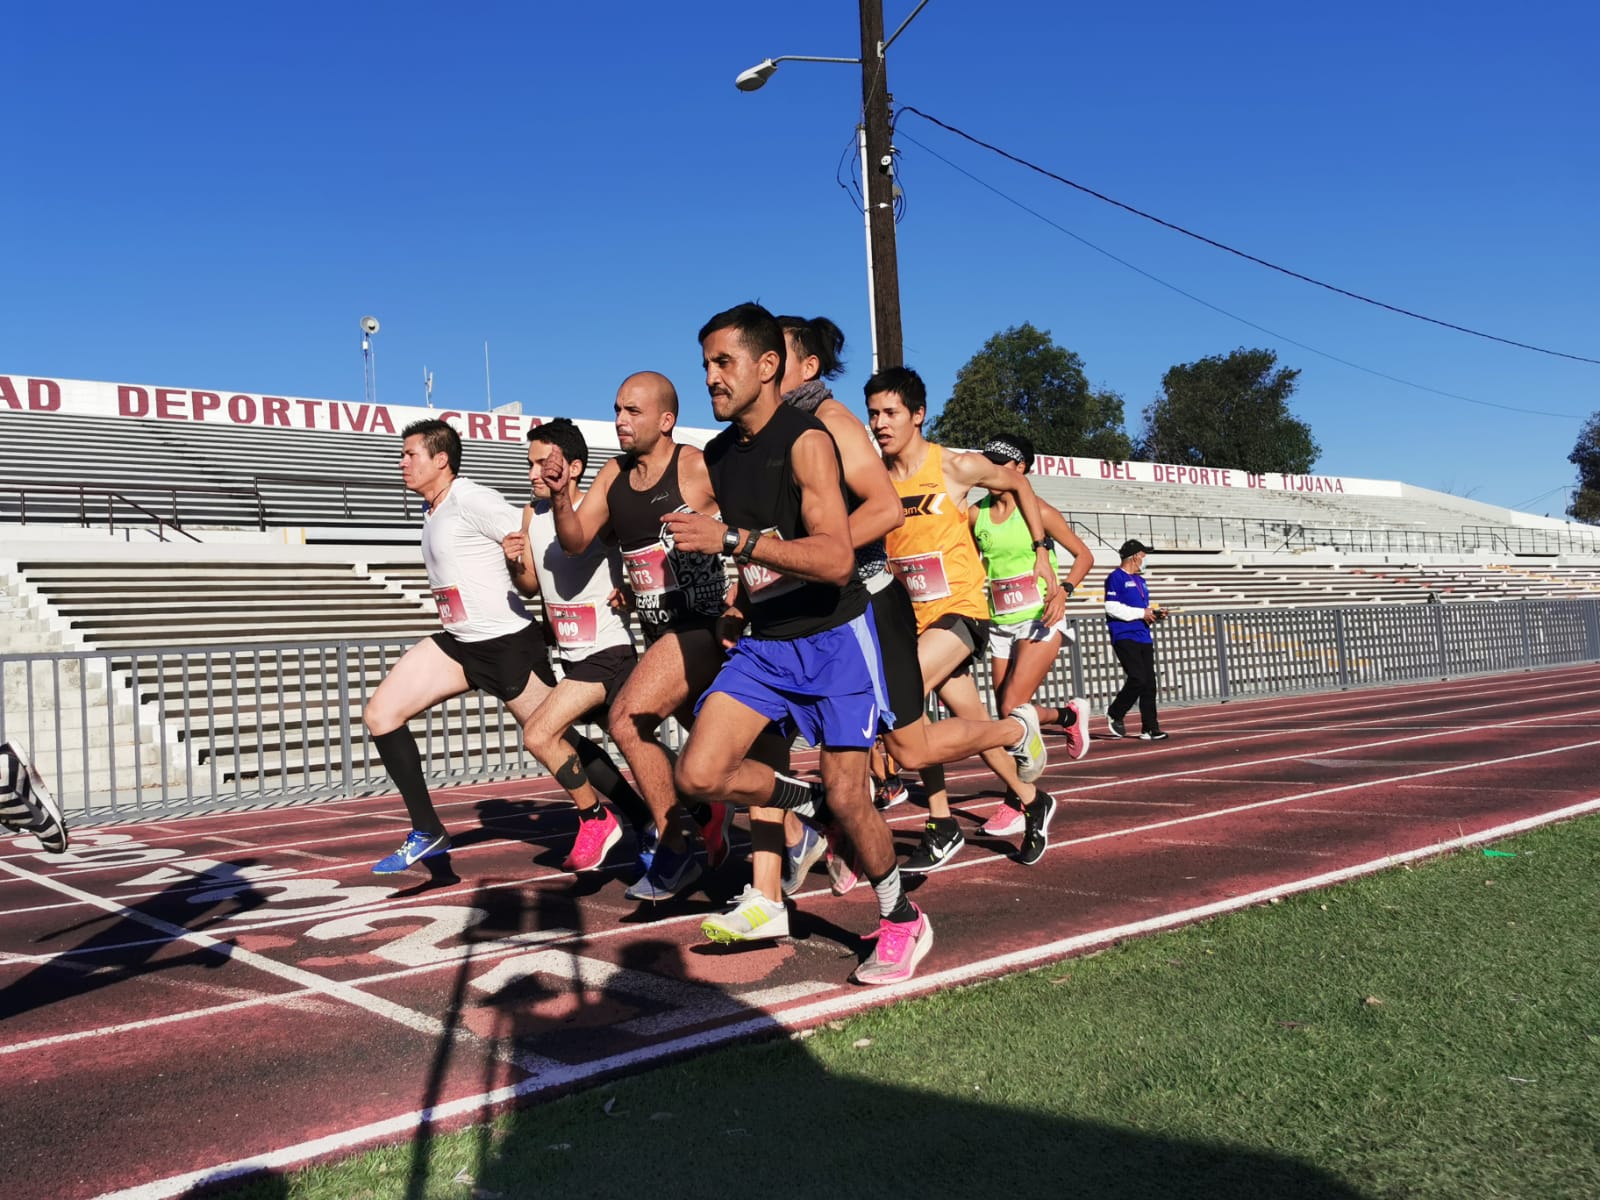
(1131, 547)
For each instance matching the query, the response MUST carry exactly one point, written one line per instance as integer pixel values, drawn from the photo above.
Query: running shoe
(414, 849)
(715, 834)
(901, 946)
(1077, 729)
(671, 872)
(1114, 724)
(753, 918)
(648, 839)
(596, 836)
(842, 876)
(1036, 837)
(1030, 753)
(890, 792)
(801, 857)
(1154, 735)
(26, 805)
(1004, 821)
(939, 846)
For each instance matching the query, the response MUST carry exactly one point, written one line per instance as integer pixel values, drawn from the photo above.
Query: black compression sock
(601, 771)
(403, 761)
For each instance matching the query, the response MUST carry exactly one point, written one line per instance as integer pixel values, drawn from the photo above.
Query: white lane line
(332, 990)
(562, 1076)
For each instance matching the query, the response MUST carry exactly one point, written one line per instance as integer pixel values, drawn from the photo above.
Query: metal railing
(1176, 532)
(109, 498)
(127, 734)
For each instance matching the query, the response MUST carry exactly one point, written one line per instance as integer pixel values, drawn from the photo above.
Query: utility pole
(878, 186)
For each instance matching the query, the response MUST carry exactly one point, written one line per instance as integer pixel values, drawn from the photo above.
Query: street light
(877, 172)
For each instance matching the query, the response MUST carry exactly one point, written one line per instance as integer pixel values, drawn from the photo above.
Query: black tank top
(755, 487)
(670, 586)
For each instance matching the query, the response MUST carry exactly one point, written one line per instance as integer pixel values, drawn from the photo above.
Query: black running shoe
(1115, 726)
(1153, 735)
(938, 849)
(1036, 835)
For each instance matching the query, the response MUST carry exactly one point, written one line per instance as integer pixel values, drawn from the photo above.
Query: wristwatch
(1045, 543)
(730, 541)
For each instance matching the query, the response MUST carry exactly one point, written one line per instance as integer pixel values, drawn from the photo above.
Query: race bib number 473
(648, 571)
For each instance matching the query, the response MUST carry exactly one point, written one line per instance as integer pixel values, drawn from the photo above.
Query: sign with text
(1054, 466)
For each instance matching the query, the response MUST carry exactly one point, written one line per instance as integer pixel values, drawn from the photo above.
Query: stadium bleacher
(156, 657)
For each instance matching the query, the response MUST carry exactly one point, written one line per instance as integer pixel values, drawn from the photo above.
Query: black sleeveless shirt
(670, 587)
(755, 487)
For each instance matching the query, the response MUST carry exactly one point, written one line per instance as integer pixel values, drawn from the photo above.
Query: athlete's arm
(823, 555)
(1062, 534)
(694, 483)
(577, 527)
(879, 511)
(518, 550)
(968, 471)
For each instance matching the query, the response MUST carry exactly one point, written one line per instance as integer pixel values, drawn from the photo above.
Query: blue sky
(212, 196)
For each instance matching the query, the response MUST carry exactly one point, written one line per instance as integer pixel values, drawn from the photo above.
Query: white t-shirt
(575, 588)
(466, 567)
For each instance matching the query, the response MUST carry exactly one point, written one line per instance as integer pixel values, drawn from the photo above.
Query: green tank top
(1007, 550)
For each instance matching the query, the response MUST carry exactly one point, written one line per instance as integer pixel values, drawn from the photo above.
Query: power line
(1200, 237)
(1422, 387)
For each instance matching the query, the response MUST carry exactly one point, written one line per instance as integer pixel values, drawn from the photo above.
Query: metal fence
(126, 734)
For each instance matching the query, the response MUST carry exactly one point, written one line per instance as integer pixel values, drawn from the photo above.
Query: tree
(1022, 382)
(1585, 456)
(1229, 410)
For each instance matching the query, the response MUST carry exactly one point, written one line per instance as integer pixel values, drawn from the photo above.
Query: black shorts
(609, 667)
(501, 666)
(694, 624)
(974, 635)
(897, 640)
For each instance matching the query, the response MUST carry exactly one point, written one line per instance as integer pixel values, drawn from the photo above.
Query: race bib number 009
(574, 625)
(923, 576)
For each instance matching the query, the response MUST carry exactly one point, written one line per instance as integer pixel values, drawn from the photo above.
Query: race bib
(1017, 594)
(648, 571)
(763, 583)
(574, 624)
(923, 576)
(452, 609)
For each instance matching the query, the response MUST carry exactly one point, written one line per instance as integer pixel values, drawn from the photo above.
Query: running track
(198, 998)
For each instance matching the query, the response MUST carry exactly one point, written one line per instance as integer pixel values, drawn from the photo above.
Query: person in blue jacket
(1129, 615)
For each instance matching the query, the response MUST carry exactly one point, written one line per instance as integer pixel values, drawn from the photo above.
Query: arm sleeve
(1123, 612)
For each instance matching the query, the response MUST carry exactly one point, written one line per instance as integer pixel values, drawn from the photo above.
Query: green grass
(1426, 1032)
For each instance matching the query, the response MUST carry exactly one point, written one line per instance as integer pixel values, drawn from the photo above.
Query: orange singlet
(932, 553)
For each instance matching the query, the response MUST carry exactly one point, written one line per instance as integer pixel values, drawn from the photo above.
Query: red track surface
(199, 997)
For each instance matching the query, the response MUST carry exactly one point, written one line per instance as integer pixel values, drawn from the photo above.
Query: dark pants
(1138, 659)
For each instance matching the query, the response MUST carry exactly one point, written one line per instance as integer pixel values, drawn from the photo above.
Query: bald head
(647, 409)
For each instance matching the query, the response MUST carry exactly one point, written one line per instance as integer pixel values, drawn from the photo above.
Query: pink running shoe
(1078, 731)
(842, 877)
(1003, 822)
(900, 948)
(715, 834)
(595, 839)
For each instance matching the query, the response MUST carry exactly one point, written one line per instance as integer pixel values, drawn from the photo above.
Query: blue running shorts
(827, 687)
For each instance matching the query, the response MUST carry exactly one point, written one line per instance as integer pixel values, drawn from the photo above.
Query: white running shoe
(753, 918)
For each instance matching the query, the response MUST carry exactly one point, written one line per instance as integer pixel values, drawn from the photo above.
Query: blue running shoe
(799, 859)
(648, 840)
(414, 849)
(671, 872)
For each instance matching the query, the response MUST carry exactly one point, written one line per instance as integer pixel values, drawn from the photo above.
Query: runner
(593, 647)
(26, 805)
(488, 642)
(678, 595)
(810, 660)
(933, 556)
(813, 356)
(1022, 647)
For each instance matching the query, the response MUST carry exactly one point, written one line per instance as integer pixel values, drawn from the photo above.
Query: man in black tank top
(678, 596)
(810, 661)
